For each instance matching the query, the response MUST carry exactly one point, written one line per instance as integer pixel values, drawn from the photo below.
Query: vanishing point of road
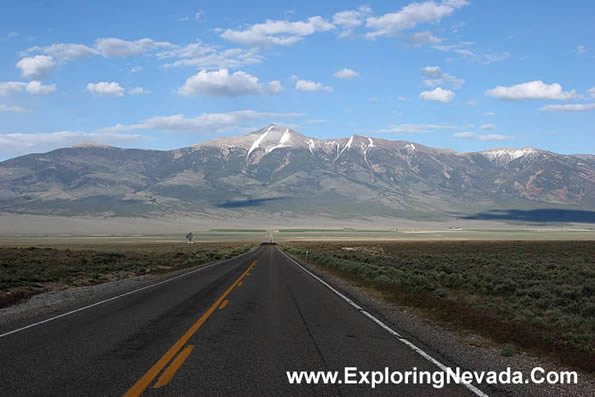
(232, 328)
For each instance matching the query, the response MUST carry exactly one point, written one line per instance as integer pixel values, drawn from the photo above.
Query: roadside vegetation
(30, 270)
(537, 295)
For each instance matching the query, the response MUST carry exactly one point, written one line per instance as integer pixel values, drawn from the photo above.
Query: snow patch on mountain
(507, 155)
(258, 140)
(286, 137)
(347, 146)
(311, 145)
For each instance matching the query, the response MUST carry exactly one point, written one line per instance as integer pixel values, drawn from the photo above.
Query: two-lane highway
(234, 328)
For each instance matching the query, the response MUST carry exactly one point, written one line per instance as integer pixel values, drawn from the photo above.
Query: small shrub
(508, 350)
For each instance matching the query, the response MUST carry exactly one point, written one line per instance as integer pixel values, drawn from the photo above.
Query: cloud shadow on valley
(537, 215)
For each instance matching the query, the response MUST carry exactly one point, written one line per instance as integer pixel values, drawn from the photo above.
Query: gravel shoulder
(457, 347)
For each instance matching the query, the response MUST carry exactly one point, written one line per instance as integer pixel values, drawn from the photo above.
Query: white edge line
(391, 331)
(80, 309)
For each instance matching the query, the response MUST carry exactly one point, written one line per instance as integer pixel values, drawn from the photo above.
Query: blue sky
(467, 75)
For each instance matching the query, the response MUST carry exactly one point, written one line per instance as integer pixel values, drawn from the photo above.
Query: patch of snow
(311, 145)
(347, 146)
(507, 155)
(349, 142)
(370, 144)
(275, 147)
(258, 140)
(285, 138)
(410, 147)
(282, 142)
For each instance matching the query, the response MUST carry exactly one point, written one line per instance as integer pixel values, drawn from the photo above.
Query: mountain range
(278, 170)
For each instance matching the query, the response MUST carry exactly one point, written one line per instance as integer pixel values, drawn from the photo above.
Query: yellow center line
(225, 302)
(170, 371)
(139, 387)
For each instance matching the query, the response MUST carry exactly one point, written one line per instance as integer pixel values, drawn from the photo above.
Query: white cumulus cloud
(346, 74)
(438, 94)
(223, 83)
(37, 88)
(531, 90)
(9, 87)
(104, 88)
(204, 56)
(409, 16)
(64, 51)
(282, 33)
(419, 39)
(311, 86)
(112, 47)
(138, 91)
(348, 20)
(488, 126)
(37, 67)
(436, 77)
(32, 87)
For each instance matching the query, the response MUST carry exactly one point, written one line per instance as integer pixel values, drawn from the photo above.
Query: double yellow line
(139, 387)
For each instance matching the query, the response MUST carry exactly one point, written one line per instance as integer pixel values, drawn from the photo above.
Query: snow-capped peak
(507, 155)
(283, 142)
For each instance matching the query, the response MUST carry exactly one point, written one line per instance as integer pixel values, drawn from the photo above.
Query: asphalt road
(234, 328)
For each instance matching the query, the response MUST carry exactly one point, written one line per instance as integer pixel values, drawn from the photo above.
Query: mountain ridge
(276, 169)
(214, 140)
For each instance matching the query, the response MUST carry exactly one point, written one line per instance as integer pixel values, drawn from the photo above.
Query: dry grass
(30, 270)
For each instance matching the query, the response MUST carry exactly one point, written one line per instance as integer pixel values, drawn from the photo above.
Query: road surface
(233, 328)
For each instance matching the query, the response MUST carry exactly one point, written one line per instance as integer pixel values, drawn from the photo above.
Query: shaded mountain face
(279, 170)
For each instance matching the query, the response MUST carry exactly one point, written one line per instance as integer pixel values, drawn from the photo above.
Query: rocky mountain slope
(278, 169)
